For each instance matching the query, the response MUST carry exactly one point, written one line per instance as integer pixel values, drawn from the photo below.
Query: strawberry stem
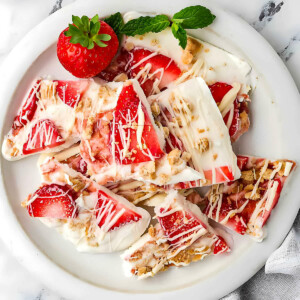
(85, 31)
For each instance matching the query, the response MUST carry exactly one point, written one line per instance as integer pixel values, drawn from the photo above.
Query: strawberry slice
(222, 174)
(242, 161)
(237, 128)
(43, 135)
(239, 221)
(173, 142)
(28, 109)
(124, 132)
(53, 201)
(235, 123)
(157, 67)
(267, 213)
(70, 92)
(111, 214)
(77, 163)
(118, 66)
(219, 90)
(220, 246)
(179, 225)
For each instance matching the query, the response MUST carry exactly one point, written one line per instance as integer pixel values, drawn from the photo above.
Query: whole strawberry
(81, 48)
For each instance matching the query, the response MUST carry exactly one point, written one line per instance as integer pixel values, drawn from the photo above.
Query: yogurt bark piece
(90, 216)
(52, 114)
(125, 143)
(196, 127)
(246, 204)
(182, 235)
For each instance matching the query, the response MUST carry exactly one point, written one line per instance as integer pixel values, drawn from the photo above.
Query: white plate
(275, 123)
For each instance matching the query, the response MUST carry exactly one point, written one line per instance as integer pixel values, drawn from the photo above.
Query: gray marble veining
(267, 13)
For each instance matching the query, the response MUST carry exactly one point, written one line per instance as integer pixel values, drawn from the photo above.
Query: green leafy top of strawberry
(85, 31)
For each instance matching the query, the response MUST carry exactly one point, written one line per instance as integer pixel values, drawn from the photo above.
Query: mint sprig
(180, 34)
(143, 25)
(116, 22)
(191, 17)
(84, 31)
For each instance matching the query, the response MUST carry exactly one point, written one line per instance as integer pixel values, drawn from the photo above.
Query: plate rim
(12, 232)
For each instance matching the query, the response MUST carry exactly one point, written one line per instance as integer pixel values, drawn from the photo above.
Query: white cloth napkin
(280, 278)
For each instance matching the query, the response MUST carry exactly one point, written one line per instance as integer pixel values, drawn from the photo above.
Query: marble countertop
(278, 21)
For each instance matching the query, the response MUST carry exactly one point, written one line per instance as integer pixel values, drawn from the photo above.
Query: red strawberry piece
(43, 135)
(235, 123)
(28, 109)
(53, 201)
(221, 246)
(77, 163)
(84, 52)
(124, 136)
(176, 224)
(112, 214)
(82, 166)
(173, 142)
(70, 92)
(237, 128)
(219, 90)
(161, 67)
(240, 226)
(242, 161)
(118, 66)
(228, 205)
(222, 174)
(266, 214)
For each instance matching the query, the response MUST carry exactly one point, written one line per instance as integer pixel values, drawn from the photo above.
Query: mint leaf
(193, 17)
(116, 22)
(143, 25)
(180, 34)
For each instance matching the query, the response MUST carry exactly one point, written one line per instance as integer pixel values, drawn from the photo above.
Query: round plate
(275, 120)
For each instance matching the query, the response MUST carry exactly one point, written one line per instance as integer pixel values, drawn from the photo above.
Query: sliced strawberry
(77, 163)
(173, 142)
(53, 201)
(239, 220)
(266, 214)
(70, 92)
(124, 131)
(161, 68)
(240, 227)
(219, 90)
(242, 161)
(28, 109)
(221, 246)
(222, 174)
(43, 135)
(179, 225)
(235, 123)
(118, 66)
(238, 126)
(111, 214)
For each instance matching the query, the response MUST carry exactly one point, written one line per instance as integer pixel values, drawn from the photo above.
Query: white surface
(35, 287)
